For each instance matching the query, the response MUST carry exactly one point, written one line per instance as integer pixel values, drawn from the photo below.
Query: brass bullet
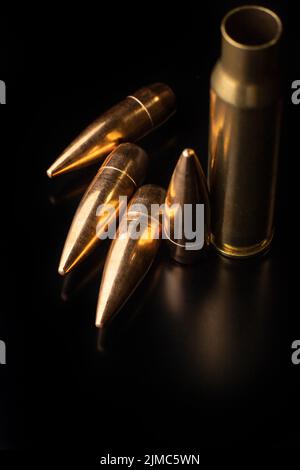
(129, 120)
(187, 190)
(131, 252)
(121, 173)
(245, 114)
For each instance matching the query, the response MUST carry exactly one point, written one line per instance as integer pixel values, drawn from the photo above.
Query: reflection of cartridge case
(244, 132)
(227, 345)
(121, 173)
(127, 121)
(186, 226)
(132, 251)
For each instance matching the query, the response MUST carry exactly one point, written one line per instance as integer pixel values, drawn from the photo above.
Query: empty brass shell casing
(127, 121)
(130, 255)
(187, 187)
(121, 173)
(245, 110)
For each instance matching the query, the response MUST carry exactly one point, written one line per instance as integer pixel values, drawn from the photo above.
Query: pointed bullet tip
(99, 324)
(54, 170)
(62, 271)
(49, 172)
(100, 317)
(188, 153)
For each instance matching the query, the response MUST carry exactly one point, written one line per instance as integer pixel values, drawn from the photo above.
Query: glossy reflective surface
(201, 350)
(200, 356)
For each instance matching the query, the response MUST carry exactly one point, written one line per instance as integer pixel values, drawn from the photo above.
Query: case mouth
(251, 27)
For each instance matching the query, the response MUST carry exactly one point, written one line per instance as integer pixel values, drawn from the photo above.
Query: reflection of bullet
(131, 253)
(77, 280)
(114, 331)
(72, 187)
(178, 288)
(187, 187)
(121, 173)
(129, 120)
(65, 197)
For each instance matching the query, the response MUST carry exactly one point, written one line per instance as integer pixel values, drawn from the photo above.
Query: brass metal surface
(129, 120)
(188, 186)
(121, 173)
(130, 257)
(245, 111)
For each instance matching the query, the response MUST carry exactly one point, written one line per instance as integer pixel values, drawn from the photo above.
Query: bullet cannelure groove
(127, 121)
(130, 257)
(187, 188)
(120, 175)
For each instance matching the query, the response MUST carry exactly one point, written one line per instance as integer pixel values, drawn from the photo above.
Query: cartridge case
(128, 121)
(245, 110)
(132, 251)
(187, 212)
(120, 175)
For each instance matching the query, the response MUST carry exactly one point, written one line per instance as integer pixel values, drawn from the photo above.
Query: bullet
(113, 332)
(120, 175)
(186, 230)
(129, 120)
(132, 252)
(245, 115)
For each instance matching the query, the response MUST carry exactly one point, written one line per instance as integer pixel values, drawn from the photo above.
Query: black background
(200, 358)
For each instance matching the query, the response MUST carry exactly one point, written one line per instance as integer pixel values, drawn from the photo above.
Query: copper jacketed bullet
(127, 121)
(132, 251)
(120, 175)
(245, 111)
(186, 222)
